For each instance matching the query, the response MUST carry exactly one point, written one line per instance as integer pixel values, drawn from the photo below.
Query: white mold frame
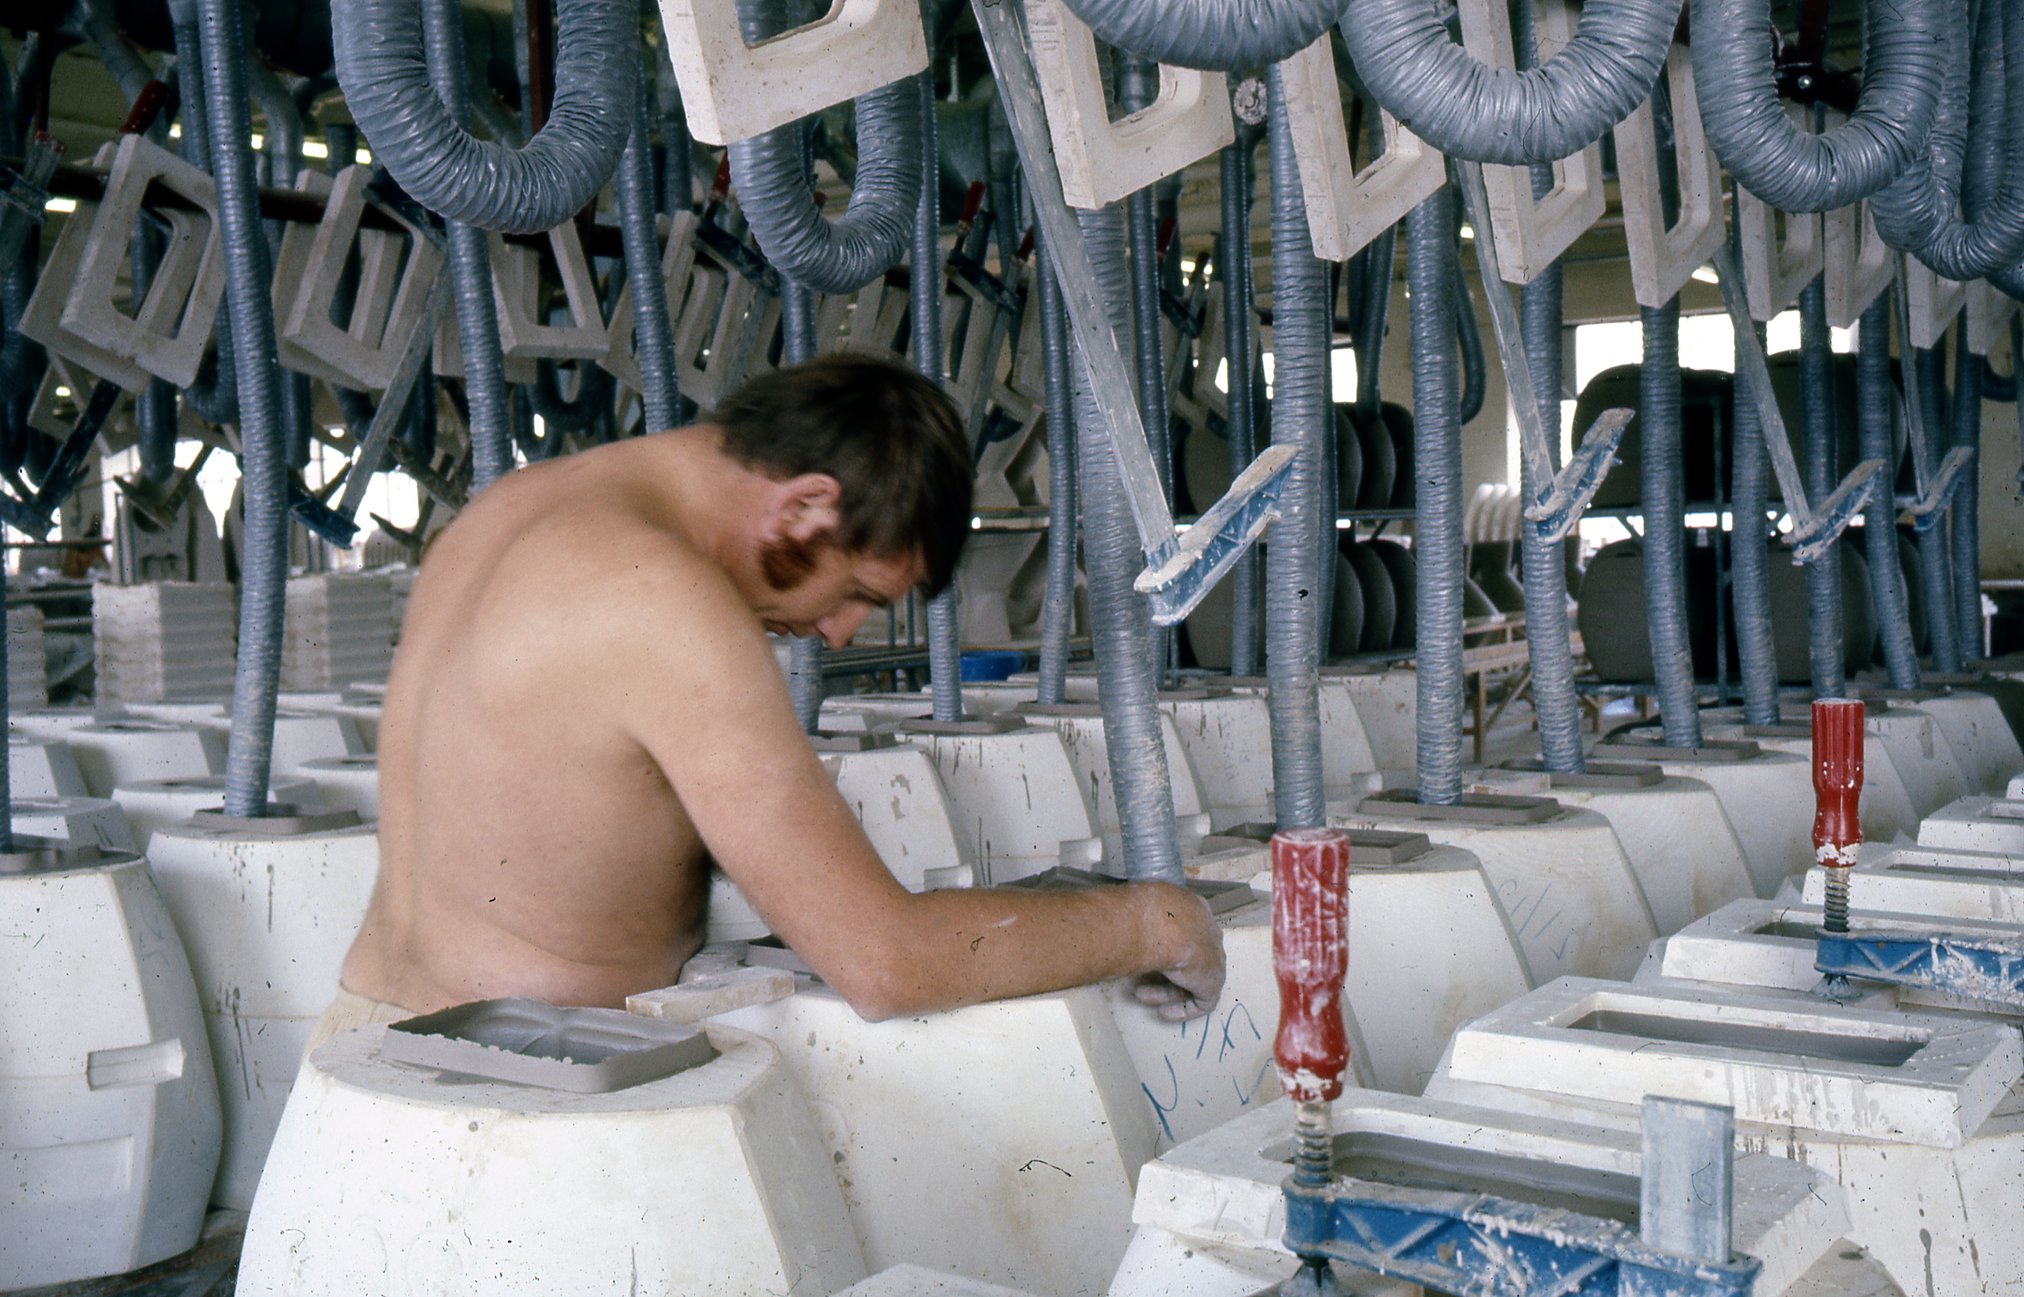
(678, 258)
(1102, 160)
(1933, 301)
(1347, 208)
(1532, 233)
(732, 91)
(1775, 270)
(166, 337)
(1989, 312)
(397, 274)
(1662, 259)
(524, 333)
(1858, 263)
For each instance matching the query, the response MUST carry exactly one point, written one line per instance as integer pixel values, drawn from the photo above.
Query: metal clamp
(24, 195)
(1973, 968)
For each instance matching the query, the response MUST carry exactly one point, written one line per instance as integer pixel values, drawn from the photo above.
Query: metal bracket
(1561, 496)
(36, 514)
(1973, 968)
(24, 196)
(1179, 570)
(1813, 532)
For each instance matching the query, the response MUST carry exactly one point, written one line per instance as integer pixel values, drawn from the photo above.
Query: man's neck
(714, 501)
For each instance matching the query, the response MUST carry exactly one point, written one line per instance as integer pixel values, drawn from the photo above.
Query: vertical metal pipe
(1137, 83)
(653, 332)
(1301, 417)
(1437, 485)
(1964, 511)
(1120, 618)
(1934, 562)
(1237, 347)
(1057, 609)
(1823, 577)
(945, 640)
(1665, 559)
(1750, 560)
(262, 459)
(1879, 529)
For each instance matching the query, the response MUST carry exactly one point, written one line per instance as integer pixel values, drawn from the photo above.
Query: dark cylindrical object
(1837, 792)
(1210, 34)
(1302, 416)
(1437, 474)
(1934, 574)
(1874, 393)
(1057, 608)
(945, 641)
(653, 332)
(1665, 561)
(1817, 447)
(1137, 83)
(1964, 511)
(1236, 277)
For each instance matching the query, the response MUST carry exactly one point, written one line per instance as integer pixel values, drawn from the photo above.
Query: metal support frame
(1972, 968)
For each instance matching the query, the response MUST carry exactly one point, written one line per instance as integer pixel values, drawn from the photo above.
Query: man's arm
(771, 816)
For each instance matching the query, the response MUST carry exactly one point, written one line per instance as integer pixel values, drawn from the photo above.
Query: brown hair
(890, 438)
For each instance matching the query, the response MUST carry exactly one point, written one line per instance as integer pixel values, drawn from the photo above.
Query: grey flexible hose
(1916, 211)
(1437, 486)
(214, 397)
(678, 193)
(843, 255)
(1380, 267)
(282, 145)
(1554, 699)
(1137, 84)
(1750, 561)
(1903, 62)
(1469, 110)
(393, 92)
(1210, 34)
(263, 557)
(562, 414)
(1964, 511)
(1874, 402)
(470, 268)
(1817, 447)
(1301, 417)
(1934, 557)
(1057, 605)
(653, 332)
(1120, 619)
(155, 408)
(797, 331)
(1469, 337)
(1665, 558)
(129, 71)
(1237, 298)
(945, 638)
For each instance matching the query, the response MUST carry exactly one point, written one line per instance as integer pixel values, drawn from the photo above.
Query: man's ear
(805, 507)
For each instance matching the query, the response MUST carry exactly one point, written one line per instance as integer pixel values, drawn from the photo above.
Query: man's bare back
(585, 710)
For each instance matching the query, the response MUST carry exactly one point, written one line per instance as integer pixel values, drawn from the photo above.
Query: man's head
(874, 468)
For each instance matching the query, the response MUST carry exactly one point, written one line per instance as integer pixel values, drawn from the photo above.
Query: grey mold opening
(524, 1041)
(1409, 1163)
(1819, 1046)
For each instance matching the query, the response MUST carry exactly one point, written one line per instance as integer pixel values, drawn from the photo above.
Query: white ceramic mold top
(1994, 824)
(918, 1281)
(1224, 1188)
(1865, 1074)
(1942, 884)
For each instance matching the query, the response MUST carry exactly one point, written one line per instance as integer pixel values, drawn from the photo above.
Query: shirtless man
(585, 712)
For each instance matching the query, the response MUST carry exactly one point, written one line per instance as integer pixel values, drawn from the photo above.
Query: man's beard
(786, 563)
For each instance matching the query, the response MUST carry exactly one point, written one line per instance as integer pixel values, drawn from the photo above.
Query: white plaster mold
(1347, 208)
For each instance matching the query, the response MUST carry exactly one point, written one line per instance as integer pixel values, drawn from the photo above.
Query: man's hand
(1190, 977)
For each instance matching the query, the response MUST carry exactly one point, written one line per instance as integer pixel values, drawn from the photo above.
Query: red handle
(1310, 958)
(146, 107)
(1837, 781)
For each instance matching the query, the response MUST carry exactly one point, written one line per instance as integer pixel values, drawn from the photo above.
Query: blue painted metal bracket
(1178, 575)
(1815, 536)
(319, 517)
(1928, 509)
(35, 514)
(1467, 1243)
(1973, 968)
(1556, 514)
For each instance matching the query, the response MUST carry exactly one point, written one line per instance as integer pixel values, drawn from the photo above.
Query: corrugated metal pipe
(1469, 110)
(1120, 619)
(1554, 700)
(653, 332)
(1817, 447)
(1236, 165)
(1301, 417)
(1469, 337)
(1934, 565)
(1211, 34)
(1437, 486)
(391, 88)
(263, 557)
(129, 70)
(945, 631)
(1750, 560)
(1964, 511)
(214, 397)
(1904, 59)
(1138, 82)
(1875, 402)
(282, 145)
(1057, 605)
(1916, 212)
(1664, 503)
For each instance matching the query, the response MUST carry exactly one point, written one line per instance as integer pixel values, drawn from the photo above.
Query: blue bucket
(991, 664)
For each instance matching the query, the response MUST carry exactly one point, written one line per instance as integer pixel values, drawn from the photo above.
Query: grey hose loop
(129, 70)
(1210, 34)
(843, 255)
(1301, 417)
(1665, 558)
(1874, 401)
(470, 269)
(1236, 284)
(263, 558)
(1057, 605)
(1120, 618)
(214, 397)
(1137, 84)
(1963, 512)
(1934, 559)
(393, 90)
(1916, 211)
(653, 332)
(1817, 447)
(945, 639)
(1903, 62)
(1468, 110)
(1437, 487)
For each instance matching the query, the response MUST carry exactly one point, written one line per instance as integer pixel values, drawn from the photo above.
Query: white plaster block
(1020, 808)
(42, 768)
(1782, 252)
(1989, 312)
(164, 639)
(1981, 739)
(1082, 735)
(115, 752)
(525, 332)
(1663, 257)
(1347, 208)
(87, 821)
(1942, 884)
(1759, 796)
(1934, 301)
(896, 794)
(1857, 262)
(918, 1281)
(340, 628)
(151, 805)
(348, 781)
(1387, 702)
